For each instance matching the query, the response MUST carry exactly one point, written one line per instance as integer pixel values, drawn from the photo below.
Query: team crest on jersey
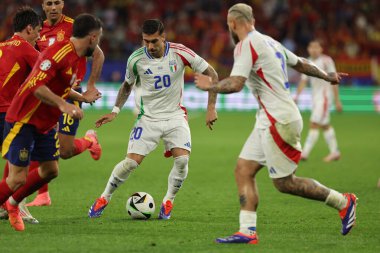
(60, 35)
(173, 66)
(45, 65)
(23, 155)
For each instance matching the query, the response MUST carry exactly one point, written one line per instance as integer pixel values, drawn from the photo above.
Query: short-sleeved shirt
(161, 80)
(263, 61)
(17, 58)
(56, 68)
(321, 90)
(60, 31)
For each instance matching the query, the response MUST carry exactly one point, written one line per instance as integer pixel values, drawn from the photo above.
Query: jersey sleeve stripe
(63, 55)
(182, 48)
(14, 69)
(61, 51)
(185, 62)
(32, 82)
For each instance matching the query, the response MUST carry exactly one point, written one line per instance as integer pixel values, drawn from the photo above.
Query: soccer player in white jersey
(158, 69)
(260, 63)
(322, 96)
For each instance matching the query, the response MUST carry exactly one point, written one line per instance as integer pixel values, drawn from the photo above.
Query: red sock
(5, 191)
(6, 171)
(43, 189)
(80, 145)
(34, 166)
(33, 183)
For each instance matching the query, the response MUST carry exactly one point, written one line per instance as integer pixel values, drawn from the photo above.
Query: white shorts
(278, 148)
(146, 135)
(320, 113)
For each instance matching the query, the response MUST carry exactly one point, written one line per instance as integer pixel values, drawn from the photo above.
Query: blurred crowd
(350, 29)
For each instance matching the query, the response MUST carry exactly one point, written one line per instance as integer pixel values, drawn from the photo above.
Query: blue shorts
(66, 124)
(2, 122)
(23, 143)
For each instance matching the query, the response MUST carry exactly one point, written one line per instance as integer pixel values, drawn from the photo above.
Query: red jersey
(56, 68)
(60, 31)
(17, 58)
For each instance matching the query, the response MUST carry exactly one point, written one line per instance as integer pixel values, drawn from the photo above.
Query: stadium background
(350, 30)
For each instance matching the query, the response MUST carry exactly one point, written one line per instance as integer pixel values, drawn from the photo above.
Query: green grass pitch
(207, 206)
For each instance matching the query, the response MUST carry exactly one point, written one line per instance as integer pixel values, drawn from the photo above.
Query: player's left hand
(211, 117)
(203, 82)
(335, 77)
(338, 106)
(91, 96)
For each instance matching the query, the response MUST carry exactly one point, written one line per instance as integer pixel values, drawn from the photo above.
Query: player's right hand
(72, 110)
(105, 119)
(335, 78)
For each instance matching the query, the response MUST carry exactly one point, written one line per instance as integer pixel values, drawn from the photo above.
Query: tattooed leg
(245, 173)
(303, 187)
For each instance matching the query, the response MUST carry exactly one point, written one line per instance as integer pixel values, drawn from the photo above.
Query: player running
(56, 28)
(158, 69)
(17, 58)
(29, 132)
(322, 96)
(260, 63)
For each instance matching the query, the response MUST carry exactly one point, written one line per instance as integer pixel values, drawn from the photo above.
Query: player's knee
(125, 167)
(17, 181)
(284, 184)
(65, 153)
(243, 169)
(181, 164)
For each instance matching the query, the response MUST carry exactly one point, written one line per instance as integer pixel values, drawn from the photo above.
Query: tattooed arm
(308, 68)
(211, 115)
(122, 96)
(228, 85)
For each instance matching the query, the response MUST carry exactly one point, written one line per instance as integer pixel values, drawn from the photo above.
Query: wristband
(116, 109)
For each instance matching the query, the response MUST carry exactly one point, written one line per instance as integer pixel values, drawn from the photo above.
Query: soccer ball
(140, 205)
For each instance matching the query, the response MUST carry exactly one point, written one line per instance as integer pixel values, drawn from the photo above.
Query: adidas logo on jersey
(188, 145)
(272, 171)
(66, 129)
(148, 72)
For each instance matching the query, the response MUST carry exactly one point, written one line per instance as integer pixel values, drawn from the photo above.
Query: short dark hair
(25, 16)
(84, 24)
(151, 26)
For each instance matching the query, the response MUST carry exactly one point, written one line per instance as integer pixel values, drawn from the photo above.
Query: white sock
(119, 174)
(331, 140)
(311, 139)
(247, 221)
(336, 200)
(177, 176)
(12, 201)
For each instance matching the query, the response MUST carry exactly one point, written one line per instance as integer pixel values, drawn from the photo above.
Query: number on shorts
(136, 133)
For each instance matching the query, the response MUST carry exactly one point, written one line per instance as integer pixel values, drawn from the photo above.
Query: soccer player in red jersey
(34, 111)
(58, 27)
(17, 58)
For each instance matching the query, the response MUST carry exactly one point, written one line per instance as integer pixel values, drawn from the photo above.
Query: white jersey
(262, 60)
(161, 80)
(321, 90)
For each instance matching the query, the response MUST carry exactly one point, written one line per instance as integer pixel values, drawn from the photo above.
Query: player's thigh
(68, 126)
(46, 147)
(253, 148)
(18, 143)
(144, 137)
(320, 113)
(282, 148)
(177, 135)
